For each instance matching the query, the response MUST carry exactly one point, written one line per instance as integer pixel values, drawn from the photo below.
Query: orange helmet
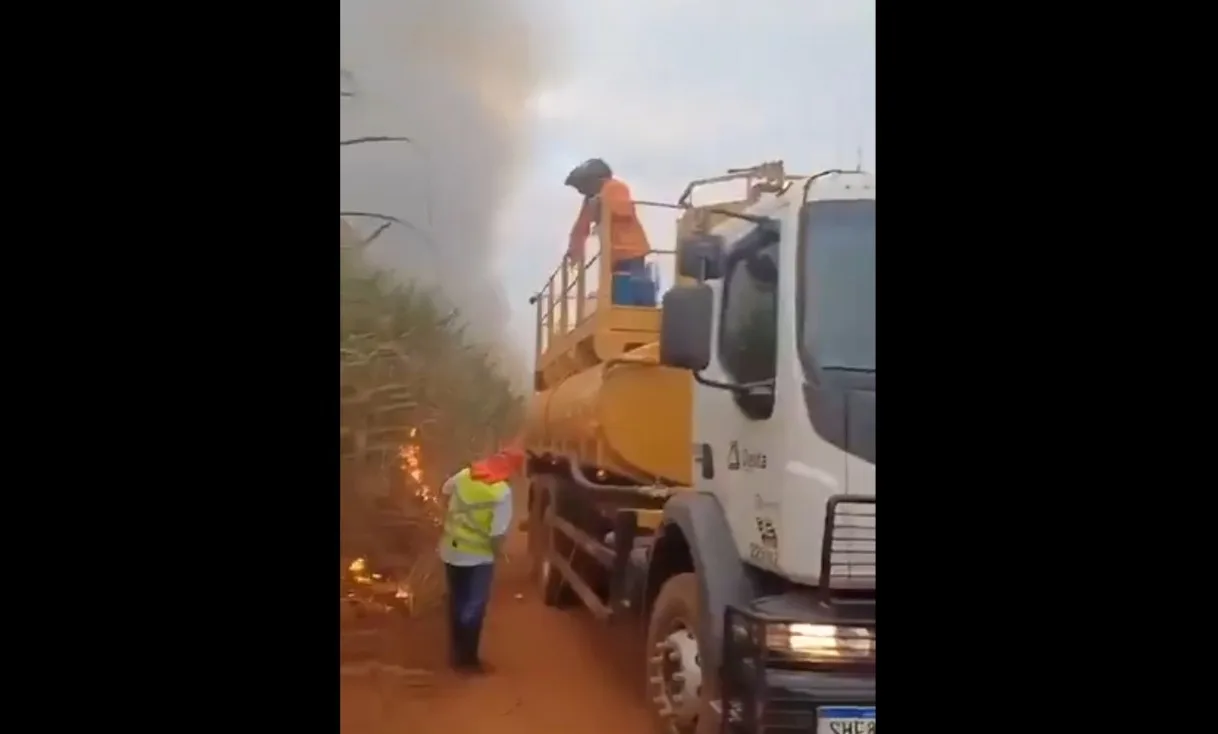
(513, 456)
(500, 465)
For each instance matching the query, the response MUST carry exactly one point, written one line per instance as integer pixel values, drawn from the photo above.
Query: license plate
(845, 720)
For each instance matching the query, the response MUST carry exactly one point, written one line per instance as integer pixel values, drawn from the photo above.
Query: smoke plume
(456, 76)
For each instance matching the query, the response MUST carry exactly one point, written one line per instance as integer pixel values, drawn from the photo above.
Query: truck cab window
(837, 285)
(749, 324)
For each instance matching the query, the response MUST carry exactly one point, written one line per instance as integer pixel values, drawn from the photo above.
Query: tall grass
(409, 377)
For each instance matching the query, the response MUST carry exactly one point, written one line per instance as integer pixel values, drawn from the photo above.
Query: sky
(506, 97)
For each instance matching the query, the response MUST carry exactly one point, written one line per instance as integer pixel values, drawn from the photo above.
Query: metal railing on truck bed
(578, 324)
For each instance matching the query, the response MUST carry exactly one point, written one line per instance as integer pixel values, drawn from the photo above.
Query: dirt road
(554, 671)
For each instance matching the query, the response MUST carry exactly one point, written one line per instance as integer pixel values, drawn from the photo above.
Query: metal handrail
(769, 176)
(569, 280)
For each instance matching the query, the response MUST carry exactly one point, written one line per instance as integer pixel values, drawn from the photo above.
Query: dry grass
(418, 401)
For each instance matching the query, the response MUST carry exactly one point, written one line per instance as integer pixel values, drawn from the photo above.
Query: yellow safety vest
(471, 508)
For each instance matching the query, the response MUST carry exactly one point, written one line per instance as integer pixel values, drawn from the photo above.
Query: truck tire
(672, 648)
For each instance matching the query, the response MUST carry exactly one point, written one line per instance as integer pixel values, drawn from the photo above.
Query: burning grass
(410, 581)
(418, 401)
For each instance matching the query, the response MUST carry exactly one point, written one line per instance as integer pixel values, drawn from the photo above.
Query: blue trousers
(469, 592)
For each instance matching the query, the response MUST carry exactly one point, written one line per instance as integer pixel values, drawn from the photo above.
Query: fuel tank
(632, 420)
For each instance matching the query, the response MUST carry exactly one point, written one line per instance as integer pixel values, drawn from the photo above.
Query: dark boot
(467, 655)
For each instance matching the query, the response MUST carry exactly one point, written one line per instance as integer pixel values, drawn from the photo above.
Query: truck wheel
(676, 684)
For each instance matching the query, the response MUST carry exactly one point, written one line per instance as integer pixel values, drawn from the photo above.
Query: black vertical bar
(728, 689)
(761, 683)
(826, 547)
(625, 529)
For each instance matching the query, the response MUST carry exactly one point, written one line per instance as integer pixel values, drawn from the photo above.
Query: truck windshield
(837, 285)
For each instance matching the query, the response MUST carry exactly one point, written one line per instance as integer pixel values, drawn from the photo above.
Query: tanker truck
(707, 468)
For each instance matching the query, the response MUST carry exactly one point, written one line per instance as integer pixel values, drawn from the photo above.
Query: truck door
(736, 424)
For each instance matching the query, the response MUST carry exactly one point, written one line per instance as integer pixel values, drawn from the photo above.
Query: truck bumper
(764, 690)
(790, 701)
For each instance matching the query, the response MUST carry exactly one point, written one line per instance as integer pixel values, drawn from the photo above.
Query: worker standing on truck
(628, 242)
(477, 516)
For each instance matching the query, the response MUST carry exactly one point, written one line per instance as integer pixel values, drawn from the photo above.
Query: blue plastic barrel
(622, 292)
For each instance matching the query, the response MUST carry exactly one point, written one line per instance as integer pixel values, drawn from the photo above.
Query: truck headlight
(825, 642)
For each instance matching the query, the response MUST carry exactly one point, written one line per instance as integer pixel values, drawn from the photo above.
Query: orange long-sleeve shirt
(627, 238)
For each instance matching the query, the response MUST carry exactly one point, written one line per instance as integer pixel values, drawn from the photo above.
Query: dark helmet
(589, 172)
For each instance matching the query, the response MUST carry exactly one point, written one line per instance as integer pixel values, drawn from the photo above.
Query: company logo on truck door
(738, 457)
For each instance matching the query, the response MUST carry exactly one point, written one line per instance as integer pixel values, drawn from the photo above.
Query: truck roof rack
(769, 177)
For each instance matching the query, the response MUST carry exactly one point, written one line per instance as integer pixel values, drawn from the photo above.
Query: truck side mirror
(700, 257)
(685, 327)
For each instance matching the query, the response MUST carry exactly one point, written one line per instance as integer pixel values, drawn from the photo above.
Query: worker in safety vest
(628, 242)
(477, 517)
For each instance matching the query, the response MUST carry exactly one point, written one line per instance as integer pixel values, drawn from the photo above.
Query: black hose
(578, 476)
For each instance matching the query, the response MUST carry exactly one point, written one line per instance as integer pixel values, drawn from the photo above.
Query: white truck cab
(778, 328)
(754, 571)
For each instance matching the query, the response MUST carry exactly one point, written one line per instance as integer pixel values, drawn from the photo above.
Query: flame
(412, 465)
(410, 454)
(359, 571)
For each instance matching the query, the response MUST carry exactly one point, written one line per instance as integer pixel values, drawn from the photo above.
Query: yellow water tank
(632, 420)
